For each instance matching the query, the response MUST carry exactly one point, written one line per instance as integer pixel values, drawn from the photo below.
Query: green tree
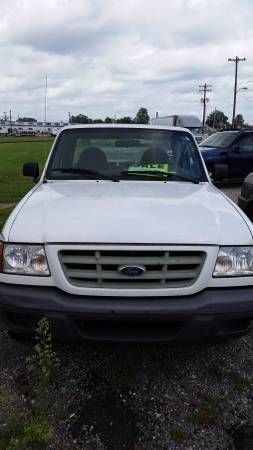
(126, 119)
(142, 116)
(98, 121)
(108, 120)
(239, 121)
(80, 118)
(217, 119)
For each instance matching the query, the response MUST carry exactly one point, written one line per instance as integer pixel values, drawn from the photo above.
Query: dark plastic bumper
(207, 315)
(242, 202)
(246, 204)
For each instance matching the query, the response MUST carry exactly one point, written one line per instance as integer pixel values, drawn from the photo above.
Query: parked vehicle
(124, 237)
(3, 130)
(190, 122)
(232, 148)
(245, 200)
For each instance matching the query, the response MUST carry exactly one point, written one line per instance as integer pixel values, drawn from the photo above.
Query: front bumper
(209, 314)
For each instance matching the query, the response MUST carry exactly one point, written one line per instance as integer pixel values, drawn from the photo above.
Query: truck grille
(102, 268)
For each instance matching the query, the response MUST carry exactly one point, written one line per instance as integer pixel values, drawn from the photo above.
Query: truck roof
(124, 125)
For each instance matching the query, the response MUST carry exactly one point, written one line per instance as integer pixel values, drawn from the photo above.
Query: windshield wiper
(182, 177)
(161, 173)
(211, 146)
(86, 173)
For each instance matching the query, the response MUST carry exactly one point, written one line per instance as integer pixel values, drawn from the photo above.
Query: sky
(109, 58)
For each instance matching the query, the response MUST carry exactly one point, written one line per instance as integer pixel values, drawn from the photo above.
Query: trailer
(3, 130)
(190, 122)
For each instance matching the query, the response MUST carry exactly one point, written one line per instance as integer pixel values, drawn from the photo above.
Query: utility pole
(204, 88)
(236, 60)
(45, 103)
(10, 123)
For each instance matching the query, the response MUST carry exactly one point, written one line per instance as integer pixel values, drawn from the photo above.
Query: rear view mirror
(220, 172)
(31, 169)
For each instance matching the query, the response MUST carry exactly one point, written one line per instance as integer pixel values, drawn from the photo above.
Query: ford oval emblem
(132, 271)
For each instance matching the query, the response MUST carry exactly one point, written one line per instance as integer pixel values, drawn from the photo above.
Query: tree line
(217, 120)
(142, 117)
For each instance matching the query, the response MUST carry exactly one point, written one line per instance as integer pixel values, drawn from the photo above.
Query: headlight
(23, 259)
(234, 261)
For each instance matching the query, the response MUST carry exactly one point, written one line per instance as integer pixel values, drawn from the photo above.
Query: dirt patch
(6, 205)
(111, 420)
(243, 436)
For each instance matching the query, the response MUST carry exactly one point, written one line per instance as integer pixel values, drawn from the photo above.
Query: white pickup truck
(124, 237)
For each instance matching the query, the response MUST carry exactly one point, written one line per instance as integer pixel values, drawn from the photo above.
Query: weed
(178, 434)
(44, 360)
(22, 430)
(25, 425)
(240, 382)
(208, 411)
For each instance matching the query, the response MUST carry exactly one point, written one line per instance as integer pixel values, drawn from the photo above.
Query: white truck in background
(190, 122)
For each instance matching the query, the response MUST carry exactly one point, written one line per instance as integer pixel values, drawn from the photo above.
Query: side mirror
(220, 172)
(31, 169)
(236, 149)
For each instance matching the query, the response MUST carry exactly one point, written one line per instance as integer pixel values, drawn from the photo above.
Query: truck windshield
(196, 131)
(125, 153)
(221, 140)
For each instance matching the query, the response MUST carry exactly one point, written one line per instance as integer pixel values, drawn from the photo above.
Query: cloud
(104, 58)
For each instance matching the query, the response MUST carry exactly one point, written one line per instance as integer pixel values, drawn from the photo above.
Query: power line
(236, 60)
(204, 88)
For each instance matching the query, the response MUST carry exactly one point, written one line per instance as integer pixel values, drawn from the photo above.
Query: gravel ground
(232, 190)
(151, 397)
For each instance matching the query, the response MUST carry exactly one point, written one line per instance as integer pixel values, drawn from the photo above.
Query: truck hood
(206, 150)
(150, 212)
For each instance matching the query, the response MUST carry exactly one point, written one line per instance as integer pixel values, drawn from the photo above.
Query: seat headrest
(154, 155)
(93, 158)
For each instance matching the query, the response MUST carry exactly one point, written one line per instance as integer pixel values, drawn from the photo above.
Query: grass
(4, 213)
(13, 153)
(9, 139)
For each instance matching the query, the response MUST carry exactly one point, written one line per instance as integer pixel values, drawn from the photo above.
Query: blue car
(233, 149)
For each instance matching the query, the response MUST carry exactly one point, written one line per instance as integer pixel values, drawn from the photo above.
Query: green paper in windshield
(149, 168)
